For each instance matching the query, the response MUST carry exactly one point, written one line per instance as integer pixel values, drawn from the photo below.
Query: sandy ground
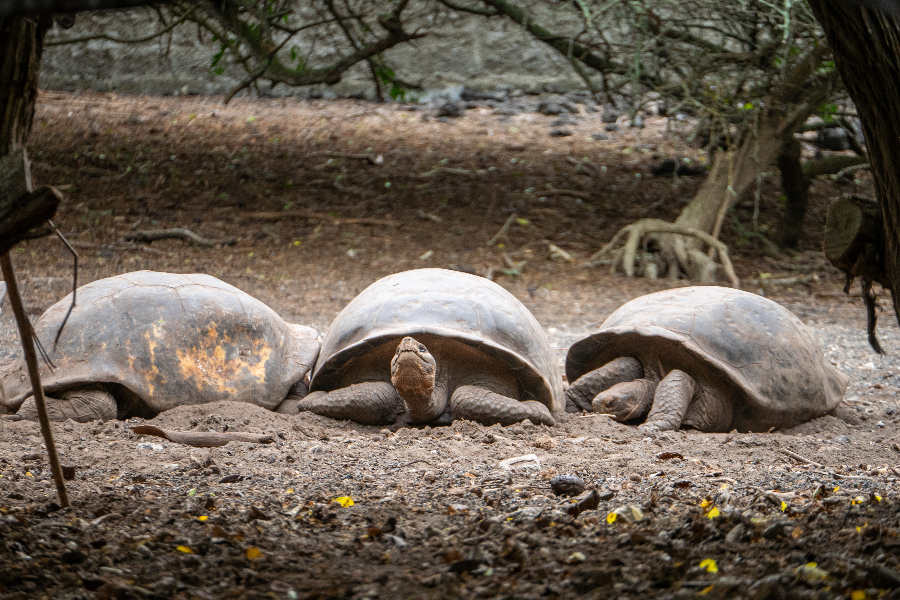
(433, 513)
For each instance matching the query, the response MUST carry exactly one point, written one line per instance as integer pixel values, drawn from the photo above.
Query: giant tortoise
(707, 358)
(432, 345)
(144, 342)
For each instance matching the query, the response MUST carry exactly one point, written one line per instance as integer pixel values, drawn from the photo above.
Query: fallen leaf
(710, 565)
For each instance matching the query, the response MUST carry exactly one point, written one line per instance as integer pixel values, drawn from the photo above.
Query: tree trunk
(795, 186)
(803, 88)
(21, 46)
(866, 47)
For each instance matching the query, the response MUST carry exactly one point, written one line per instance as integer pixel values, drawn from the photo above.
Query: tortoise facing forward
(707, 358)
(144, 342)
(432, 345)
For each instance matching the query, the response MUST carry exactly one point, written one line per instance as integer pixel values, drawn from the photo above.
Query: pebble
(567, 485)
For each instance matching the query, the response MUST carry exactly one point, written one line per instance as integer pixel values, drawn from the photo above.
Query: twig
(503, 230)
(371, 158)
(896, 446)
(202, 439)
(450, 171)
(839, 476)
(63, 239)
(852, 170)
(304, 214)
(796, 456)
(152, 235)
(25, 331)
(785, 280)
(572, 193)
(429, 217)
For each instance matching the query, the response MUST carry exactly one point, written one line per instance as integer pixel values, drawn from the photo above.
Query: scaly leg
(369, 403)
(81, 404)
(486, 407)
(670, 403)
(583, 390)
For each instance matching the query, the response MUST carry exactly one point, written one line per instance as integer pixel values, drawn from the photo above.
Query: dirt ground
(434, 514)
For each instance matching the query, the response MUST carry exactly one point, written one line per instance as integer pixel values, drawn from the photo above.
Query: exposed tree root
(691, 261)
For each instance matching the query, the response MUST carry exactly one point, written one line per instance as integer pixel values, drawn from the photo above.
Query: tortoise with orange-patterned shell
(141, 343)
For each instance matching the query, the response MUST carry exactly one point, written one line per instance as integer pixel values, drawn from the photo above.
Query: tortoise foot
(487, 407)
(83, 404)
(369, 403)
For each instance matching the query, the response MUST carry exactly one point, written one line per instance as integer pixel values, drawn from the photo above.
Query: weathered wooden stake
(24, 324)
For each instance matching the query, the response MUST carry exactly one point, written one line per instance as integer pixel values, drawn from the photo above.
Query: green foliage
(828, 112)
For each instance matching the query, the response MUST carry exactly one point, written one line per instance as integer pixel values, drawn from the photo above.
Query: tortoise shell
(451, 304)
(163, 340)
(748, 349)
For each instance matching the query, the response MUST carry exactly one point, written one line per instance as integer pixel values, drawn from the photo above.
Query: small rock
(610, 115)
(842, 439)
(450, 109)
(637, 122)
(774, 531)
(474, 489)
(606, 495)
(635, 477)
(567, 485)
(430, 476)
(560, 133)
(736, 533)
(589, 502)
(599, 137)
(611, 127)
(544, 443)
(31, 456)
(551, 108)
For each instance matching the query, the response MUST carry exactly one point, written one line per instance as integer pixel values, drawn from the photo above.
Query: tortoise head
(413, 370)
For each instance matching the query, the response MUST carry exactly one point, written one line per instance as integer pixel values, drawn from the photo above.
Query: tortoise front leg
(81, 404)
(583, 390)
(486, 407)
(369, 403)
(670, 403)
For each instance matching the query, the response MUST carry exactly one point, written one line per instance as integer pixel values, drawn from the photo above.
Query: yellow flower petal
(202, 518)
(713, 513)
(344, 501)
(877, 497)
(783, 505)
(858, 595)
(710, 565)
(253, 553)
(184, 549)
(704, 503)
(611, 517)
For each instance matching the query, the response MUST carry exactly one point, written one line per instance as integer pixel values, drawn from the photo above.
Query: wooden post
(31, 360)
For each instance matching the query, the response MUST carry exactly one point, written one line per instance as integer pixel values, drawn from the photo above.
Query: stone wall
(458, 50)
